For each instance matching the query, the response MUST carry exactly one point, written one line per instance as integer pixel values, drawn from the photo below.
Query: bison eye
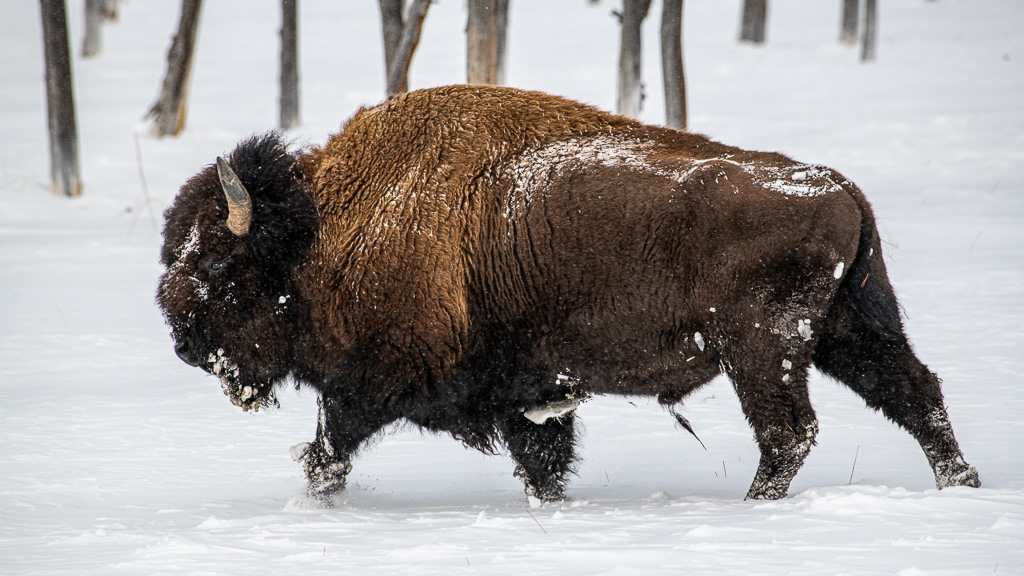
(217, 266)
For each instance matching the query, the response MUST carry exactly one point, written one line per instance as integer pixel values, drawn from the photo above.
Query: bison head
(233, 240)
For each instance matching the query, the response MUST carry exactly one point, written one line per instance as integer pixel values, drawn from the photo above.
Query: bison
(478, 260)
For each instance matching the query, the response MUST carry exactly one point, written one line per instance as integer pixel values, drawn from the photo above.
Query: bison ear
(284, 215)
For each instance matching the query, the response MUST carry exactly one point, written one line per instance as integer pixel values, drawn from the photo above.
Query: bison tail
(867, 283)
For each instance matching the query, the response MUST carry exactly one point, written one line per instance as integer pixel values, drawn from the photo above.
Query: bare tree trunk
(109, 10)
(392, 17)
(96, 13)
(630, 89)
(867, 52)
(672, 63)
(848, 28)
(485, 40)
(168, 112)
(398, 67)
(502, 38)
(60, 101)
(93, 17)
(755, 13)
(289, 64)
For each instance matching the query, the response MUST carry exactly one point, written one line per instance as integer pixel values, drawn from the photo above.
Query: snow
(698, 338)
(542, 414)
(117, 458)
(803, 328)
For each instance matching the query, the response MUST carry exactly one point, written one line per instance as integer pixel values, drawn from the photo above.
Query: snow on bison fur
(478, 260)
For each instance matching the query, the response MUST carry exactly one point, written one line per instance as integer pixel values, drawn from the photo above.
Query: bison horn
(239, 203)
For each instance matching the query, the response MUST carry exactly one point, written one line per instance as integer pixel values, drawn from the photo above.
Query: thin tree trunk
(848, 27)
(672, 63)
(91, 42)
(755, 13)
(502, 38)
(109, 10)
(289, 64)
(392, 17)
(398, 69)
(485, 39)
(60, 101)
(96, 13)
(867, 52)
(168, 112)
(630, 89)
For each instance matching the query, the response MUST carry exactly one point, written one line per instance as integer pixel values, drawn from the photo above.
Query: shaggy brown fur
(461, 255)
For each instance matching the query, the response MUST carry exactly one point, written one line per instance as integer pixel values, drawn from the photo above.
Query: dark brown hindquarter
(617, 270)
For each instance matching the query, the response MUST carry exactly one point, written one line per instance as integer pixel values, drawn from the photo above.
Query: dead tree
(502, 38)
(868, 41)
(392, 18)
(672, 63)
(289, 64)
(755, 13)
(168, 112)
(630, 88)
(96, 13)
(485, 41)
(401, 35)
(93, 18)
(848, 26)
(60, 101)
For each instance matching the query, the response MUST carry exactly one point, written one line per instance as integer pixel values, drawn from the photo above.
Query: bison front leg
(772, 388)
(544, 453)
(343, 427)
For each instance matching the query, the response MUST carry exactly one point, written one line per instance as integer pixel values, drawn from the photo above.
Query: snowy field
(117, 458)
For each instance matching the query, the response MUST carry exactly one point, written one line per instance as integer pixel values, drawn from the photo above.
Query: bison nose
(184, 351)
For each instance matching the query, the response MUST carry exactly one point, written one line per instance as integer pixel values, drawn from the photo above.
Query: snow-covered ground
(116, 458)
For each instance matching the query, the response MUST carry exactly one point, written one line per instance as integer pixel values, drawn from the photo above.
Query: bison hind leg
(545, 454)
(882, 368)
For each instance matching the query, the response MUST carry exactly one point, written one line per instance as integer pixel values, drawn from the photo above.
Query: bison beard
(478, 260)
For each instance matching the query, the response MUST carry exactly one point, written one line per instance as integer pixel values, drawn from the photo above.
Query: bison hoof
(956, 473)
(767, 491)
(325, 476)
(326, 479)
(537, 493)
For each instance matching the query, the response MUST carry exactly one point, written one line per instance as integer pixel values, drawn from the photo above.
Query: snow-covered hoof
(552, 491)
(779, 465)
(945, 457)
(325, 475)
(769, 484)
(956, 473)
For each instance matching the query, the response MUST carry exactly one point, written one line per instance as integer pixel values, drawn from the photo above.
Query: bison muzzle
(478, 260)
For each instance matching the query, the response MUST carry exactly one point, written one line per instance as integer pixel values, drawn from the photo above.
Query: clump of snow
(299, 451)
(806, 181)
(804, 329)
(557, 409)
